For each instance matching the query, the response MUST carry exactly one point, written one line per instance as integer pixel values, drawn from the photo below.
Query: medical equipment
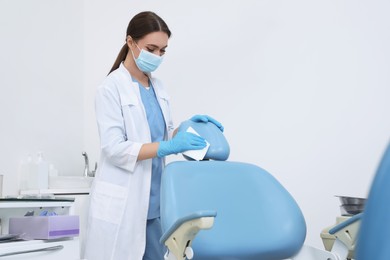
(231, 210)
(147, 61)
(366, 233)
(350, 206)
(248, 212)
(346, 230)
(373, 239)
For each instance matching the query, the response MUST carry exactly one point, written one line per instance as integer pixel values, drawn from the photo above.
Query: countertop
(77, 191)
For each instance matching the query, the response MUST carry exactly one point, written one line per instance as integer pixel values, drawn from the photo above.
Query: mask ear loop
(132, 41)
(138, 47)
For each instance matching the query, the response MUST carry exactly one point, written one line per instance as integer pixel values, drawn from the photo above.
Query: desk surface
(76, 191)
(34, 203)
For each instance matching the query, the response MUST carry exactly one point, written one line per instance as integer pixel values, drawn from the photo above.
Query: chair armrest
(178, 238)
(180, 221)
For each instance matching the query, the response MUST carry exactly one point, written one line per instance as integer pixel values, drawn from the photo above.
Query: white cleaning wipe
(196, 154)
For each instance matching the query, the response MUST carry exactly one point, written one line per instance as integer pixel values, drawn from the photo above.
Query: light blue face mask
(147, 61)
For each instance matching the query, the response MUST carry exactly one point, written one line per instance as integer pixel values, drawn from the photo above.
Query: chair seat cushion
(256, 217)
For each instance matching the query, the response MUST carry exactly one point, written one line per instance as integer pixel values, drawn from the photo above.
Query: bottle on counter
(42, 172)
(34, 174)
(25, 169)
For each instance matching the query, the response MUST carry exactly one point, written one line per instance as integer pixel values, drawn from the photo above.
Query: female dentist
(136, 133)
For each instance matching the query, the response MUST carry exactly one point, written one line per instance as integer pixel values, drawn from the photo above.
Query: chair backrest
(256, 217)
(219, 148)
(373, 238)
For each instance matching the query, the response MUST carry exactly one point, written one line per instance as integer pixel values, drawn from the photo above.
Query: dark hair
(139, 26)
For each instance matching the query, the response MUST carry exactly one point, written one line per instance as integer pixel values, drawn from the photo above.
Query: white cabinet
(17, 208)
(80, 206)
(61, 249)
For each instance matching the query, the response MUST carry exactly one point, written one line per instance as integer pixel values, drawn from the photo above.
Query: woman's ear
(129, 41)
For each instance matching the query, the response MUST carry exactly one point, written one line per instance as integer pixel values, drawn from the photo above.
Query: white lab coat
(120, 193)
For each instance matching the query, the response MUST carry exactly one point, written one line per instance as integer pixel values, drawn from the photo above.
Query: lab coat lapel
(130, 96)
(163, 100)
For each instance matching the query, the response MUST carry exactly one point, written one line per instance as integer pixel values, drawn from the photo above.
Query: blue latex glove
(47, 213)
(183, 141)
(205, 119)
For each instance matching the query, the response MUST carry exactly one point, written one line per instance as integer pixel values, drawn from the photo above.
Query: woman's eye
(150, 50)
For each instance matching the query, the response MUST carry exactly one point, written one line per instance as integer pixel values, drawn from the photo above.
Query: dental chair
(372, 226)
(220, 210)
(373, 238)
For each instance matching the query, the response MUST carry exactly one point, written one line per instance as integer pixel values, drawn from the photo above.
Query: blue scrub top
(157, 130)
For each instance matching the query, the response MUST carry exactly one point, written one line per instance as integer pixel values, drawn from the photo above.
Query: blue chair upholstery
(219, 147)
(253, 216)
(256, 218)
(373, 238)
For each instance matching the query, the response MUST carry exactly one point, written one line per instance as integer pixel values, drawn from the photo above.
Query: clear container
(42, 172)
(26, 168)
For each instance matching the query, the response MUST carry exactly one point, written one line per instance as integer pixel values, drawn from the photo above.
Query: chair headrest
(219, 149)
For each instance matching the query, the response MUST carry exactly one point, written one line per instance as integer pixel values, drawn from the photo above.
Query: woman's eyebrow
(155, 46)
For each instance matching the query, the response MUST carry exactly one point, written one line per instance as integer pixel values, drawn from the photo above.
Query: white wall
(41, 82)
(300, 86)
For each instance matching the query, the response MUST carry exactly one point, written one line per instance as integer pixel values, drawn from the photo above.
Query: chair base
(339, 252)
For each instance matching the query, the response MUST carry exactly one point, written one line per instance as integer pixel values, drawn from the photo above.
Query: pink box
(45, 227)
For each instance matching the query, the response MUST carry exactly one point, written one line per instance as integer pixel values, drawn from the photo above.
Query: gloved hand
(205, 119)
(183, 141)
